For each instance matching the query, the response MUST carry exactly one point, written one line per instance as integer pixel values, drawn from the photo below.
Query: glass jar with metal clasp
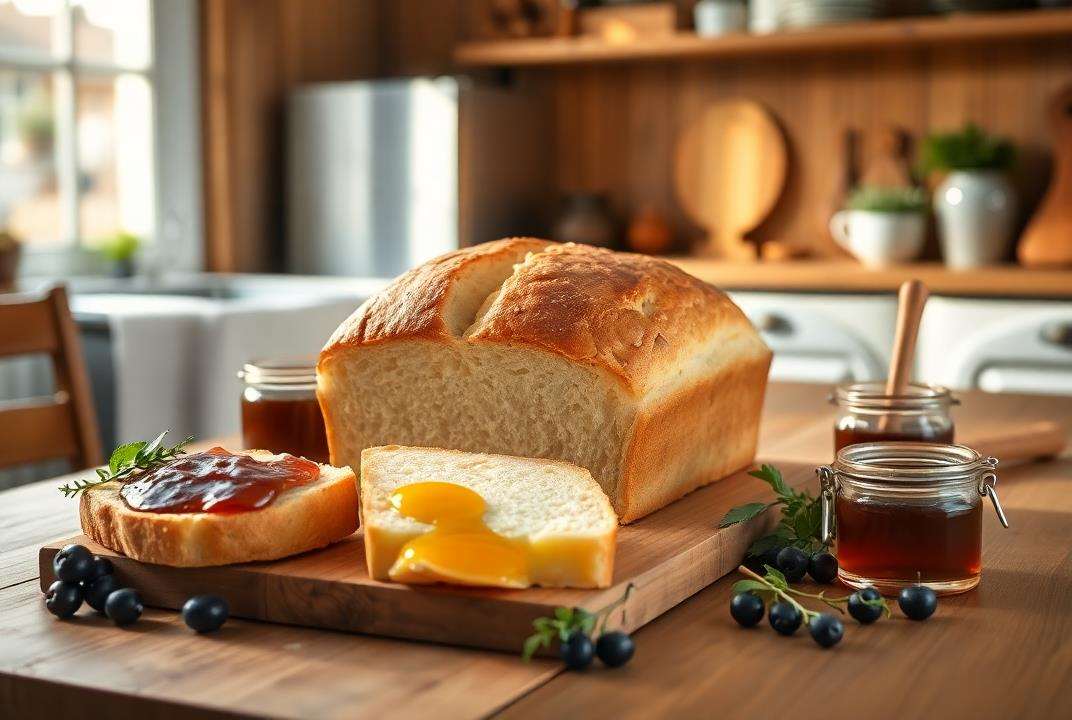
(903, 513)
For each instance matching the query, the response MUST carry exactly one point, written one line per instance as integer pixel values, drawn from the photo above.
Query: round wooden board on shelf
(729, 172)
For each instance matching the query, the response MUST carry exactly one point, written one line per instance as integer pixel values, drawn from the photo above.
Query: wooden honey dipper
(910, 301)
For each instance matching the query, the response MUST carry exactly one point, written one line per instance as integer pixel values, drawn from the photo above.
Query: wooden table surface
(1003, 651)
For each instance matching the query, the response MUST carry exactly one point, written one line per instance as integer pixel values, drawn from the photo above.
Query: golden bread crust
(637, 317)
(300, 519)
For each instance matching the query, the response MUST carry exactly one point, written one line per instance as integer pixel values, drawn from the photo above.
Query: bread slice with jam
(299, 519)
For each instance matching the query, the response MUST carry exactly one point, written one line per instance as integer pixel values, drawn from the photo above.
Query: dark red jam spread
(216, 481)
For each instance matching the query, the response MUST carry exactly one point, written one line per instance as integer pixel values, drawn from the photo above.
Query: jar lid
(872, 396)
(912, 469)
(289, 372)
(911, 465)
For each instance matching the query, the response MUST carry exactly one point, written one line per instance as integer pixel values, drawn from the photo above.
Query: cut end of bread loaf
(300, 519)
(554, 510)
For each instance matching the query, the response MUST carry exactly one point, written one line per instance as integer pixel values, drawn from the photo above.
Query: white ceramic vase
(976, 210)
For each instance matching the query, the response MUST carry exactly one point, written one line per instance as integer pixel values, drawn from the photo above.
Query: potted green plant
(120, 249)
(975, 203)
(10, 250)
(882, 225)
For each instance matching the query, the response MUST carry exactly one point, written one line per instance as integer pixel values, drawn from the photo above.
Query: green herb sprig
(565, 622)
(801, 516)
(773, 585)
(128, 459)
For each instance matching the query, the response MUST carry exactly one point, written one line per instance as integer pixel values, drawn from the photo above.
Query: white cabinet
(823, 338)
(964, 343)
(997, 345)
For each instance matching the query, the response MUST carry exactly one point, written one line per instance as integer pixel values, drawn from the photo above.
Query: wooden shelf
(871, 35)
(848, 276)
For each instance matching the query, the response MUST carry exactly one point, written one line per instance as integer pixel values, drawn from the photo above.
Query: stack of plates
(806, 13)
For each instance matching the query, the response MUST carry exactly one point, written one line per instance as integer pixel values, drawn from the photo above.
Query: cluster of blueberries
(84, 577)
(917, 602)
(614, 648)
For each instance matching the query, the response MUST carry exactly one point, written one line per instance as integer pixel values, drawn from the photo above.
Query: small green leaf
(585, 621)
(532, 644)
(777, 539)
(802, 526)
(749, 586)
(774, 577)
(124, 455)
(149, 450)
(563, 614)
(773, 477)
(743, 513)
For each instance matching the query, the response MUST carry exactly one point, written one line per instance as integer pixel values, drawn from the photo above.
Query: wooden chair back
(63, 425)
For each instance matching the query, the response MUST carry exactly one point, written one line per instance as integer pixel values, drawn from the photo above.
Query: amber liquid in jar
(908, 512)
(885, 541)
(868, 414)
(295, 426)
(844, 436)
(280, 411)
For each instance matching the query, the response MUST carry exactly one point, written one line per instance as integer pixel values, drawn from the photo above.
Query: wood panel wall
(253, 53)
(611, 128)
(616, 126)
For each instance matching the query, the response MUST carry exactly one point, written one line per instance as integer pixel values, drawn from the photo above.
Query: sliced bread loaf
(554, 511)
(619, 363)
(300, 519)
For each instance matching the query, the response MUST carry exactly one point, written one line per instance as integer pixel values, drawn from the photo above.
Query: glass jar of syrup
(920, 414)
(903, 513)
(280, 411)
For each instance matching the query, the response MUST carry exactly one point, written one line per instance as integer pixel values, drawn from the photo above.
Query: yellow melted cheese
(460, 549)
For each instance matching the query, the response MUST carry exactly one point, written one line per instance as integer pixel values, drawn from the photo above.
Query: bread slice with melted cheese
(302, 518)
(554, 510)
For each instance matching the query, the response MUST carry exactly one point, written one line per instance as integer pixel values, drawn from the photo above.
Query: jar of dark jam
(903, 513)
(868, 414)
(280, 411)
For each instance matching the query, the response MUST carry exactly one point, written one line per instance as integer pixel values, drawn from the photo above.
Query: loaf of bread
(303, 518)
(555, 512)
(619, 363)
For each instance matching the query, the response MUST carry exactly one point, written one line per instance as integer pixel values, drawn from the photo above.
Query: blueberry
(123, 606)
(746, 609)
(63, 598)
(793, 563)
(860, 610)
(73, 563)
(823, 567)
(615, 648)
(97, 591)
(205, 613)
(826, 630)
(101, 566)
(784, 618)
(770, 557)
(917, 602)
(577, 652)
(753, 563)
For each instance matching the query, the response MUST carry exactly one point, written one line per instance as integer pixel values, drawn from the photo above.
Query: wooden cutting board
(667, 557)
(729, 172)
(1047, 241)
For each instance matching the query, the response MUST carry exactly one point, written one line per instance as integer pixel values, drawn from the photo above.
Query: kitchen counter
(1001, 651)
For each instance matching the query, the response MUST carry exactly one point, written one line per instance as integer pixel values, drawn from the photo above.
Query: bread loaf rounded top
(637, 317)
